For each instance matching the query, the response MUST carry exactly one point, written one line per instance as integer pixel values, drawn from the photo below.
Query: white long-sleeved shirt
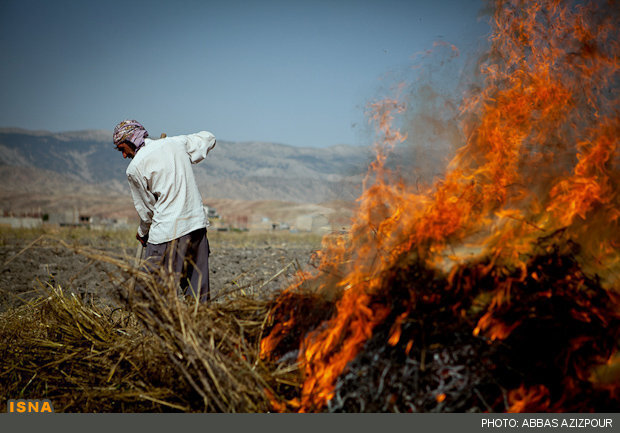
(163, 186)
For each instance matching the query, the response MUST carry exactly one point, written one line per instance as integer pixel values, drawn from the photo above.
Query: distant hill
(46, 169)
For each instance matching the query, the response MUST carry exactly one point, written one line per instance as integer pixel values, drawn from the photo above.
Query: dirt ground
(32, 261)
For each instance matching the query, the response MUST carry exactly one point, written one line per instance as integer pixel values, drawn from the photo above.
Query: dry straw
(156, 352)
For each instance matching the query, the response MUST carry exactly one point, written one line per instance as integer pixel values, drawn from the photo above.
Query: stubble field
(34, 261)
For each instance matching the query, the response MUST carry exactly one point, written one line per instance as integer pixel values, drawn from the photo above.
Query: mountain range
(48, 171)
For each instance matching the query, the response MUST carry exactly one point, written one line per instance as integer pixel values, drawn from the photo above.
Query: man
(173, 223)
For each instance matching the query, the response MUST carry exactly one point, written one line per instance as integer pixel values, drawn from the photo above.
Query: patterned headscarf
(132, 131)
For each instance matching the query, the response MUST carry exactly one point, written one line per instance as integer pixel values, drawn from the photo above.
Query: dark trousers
(188, 258)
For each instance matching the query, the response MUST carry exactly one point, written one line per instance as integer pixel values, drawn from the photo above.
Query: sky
(297, 72)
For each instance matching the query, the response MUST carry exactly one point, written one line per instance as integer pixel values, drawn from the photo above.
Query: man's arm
(199, 145)
(143, 200)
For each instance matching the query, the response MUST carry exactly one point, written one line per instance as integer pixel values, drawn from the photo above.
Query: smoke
(431, 91)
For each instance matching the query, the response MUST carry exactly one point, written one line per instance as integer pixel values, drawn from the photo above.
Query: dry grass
(83, 357)
(156, 353)
(84, 236)
(80, 235)
(262, 238)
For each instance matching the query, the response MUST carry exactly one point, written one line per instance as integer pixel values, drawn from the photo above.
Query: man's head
(129, 137)
(127, 149)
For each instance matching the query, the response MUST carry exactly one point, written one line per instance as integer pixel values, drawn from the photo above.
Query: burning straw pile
(496, 288)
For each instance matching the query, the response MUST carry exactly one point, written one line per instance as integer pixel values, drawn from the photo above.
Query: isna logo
(29, 406)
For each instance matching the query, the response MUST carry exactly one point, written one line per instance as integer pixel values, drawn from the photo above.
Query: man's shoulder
(151, 148)
(154, 151)
(156, 146)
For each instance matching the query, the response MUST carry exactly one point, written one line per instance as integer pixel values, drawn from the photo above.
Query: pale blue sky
(291, 72)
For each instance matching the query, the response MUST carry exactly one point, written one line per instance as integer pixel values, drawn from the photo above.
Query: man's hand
(143, 240)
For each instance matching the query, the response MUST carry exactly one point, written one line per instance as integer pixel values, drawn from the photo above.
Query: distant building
(316, 223)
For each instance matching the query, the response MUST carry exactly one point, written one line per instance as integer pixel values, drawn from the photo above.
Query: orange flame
(539, 154)
(534, 399)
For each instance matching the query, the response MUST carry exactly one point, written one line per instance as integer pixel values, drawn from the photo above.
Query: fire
(528, 399)
(539, 157)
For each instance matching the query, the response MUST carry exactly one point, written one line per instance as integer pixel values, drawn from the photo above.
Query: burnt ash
(562, 323)
(442, 377)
